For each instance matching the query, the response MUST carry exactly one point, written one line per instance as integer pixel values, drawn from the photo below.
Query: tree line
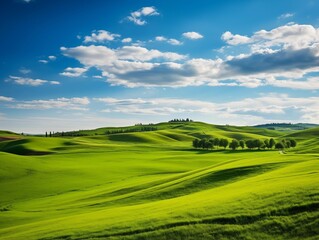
(128, 130)
(212, 143)
(137, 128)
(180, 120)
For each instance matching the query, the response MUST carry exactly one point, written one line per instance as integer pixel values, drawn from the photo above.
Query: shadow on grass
(231, 220)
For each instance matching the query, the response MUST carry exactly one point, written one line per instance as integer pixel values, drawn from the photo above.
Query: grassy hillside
(287, 126)
(153, 185)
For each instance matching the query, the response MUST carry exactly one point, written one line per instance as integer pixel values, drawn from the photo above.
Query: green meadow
(155, 185)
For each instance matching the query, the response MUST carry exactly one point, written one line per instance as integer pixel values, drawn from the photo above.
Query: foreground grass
(154, 186)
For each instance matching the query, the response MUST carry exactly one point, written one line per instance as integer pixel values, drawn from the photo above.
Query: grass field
(154, 185)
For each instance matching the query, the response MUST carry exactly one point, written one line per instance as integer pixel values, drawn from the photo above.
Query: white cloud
(73, 72)
(286, 15)
(43, 61)
(288, 36)
(54, 82)
(59, 103)
(160, 38)
(234, 39)
(100, 36)
(97, 76)
(171, 41)
(30, 81)
(126, 40)
(6, 99)
(261, 109)
(281, 57)
(174, 41)
(137, 16)
(52, 58)
(104, 56)
(143, 54)
(192, 35)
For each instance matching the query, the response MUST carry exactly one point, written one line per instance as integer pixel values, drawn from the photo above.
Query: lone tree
(234, 144)
(242, 144)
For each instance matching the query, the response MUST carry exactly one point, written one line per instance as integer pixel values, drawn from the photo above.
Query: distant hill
(194, 129)
(287, 126)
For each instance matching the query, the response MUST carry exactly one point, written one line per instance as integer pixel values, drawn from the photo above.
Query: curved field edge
(98, 188)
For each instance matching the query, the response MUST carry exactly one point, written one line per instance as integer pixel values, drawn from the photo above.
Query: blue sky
(68, 65)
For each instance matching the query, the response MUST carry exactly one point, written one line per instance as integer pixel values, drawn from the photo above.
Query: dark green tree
(234, 144)
(249, 144)
(288, 144)
(272, 143)
(202, 143)
(196, 143)
(293, 143)
(279, 146)
(242, 144)
(223, 143)
(208, 145)
(266, 142)
(258, 143)
(216, 142)
(211, 140)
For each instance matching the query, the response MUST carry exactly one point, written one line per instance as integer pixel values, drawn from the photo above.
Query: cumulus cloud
(192, 35)
(30, 81)
(171, 41)
(58, 103)
(6, 99)
(126, 40)
(138, 16)
(73, 72)
(106, 57)
(234, 39)
(288, 36)
(100, 36)
(281, 57)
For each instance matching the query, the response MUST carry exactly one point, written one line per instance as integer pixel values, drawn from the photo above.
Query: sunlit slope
(174, 134)
(153, 185)
(308, 140)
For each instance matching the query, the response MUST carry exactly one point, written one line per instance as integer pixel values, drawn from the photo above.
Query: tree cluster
(211, 143)
(180, 120)
(128, 130)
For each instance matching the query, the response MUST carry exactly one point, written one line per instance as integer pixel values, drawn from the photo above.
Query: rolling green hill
(154, 185)
(287, 126)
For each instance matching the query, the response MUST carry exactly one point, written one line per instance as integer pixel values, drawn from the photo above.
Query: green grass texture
(154, 185)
